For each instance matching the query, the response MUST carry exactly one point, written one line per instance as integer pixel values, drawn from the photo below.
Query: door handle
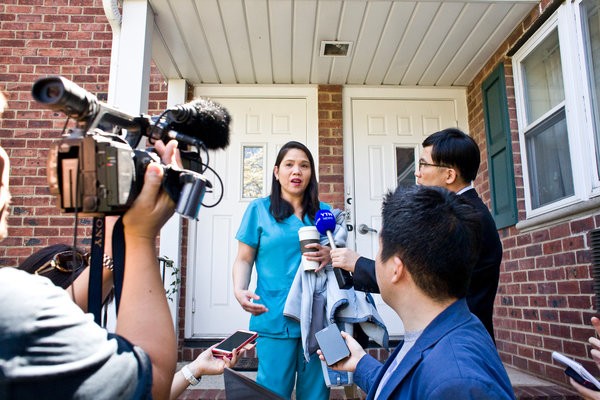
(363, 229)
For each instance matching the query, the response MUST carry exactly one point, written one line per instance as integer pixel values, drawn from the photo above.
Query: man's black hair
(280, 208)
(435, 234)
(454, 148)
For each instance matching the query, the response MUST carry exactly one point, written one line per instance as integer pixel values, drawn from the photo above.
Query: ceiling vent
(333, 48)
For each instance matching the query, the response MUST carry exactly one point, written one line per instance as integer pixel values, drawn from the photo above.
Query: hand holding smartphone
(332, 344)
(577, 372)
(236, 341)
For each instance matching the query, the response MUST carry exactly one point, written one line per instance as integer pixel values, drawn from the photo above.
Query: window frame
(568, 22)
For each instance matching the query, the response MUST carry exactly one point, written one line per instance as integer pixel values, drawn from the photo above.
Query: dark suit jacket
(486, 272)
(454, 358)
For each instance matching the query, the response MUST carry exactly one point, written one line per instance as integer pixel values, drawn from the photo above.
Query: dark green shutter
(499, 149)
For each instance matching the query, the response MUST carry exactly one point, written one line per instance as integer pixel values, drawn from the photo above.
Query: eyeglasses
(426, 164)
(65, 261)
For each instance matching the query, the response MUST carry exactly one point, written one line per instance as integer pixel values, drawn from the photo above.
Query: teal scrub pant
(280, 360)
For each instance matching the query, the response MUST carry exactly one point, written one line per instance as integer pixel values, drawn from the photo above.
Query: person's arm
(242, 271)
(583, 391)
(364, 276)
(204, 364)
(144, 317)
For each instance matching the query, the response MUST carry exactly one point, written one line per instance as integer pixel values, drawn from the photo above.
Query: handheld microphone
(325, 223)
(202, 119)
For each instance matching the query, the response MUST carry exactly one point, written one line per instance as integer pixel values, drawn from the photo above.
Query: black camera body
(93, 171)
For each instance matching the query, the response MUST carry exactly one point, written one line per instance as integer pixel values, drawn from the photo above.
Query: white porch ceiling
(395, 42)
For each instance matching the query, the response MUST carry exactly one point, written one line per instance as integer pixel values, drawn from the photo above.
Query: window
(253, 171)
(557, 111)
(405, 166)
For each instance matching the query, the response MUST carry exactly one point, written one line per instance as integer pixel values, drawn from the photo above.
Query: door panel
(259, 128)
(387, 134)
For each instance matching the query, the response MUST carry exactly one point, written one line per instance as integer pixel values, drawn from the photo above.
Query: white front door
(385, 146)
(260, 126)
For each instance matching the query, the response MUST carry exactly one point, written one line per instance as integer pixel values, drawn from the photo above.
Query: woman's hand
(245, 298)
(320, 254)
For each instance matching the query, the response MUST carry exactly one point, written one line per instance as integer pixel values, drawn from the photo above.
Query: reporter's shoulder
(18, 277)
(23, 291)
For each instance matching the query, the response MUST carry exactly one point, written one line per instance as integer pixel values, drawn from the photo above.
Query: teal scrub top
(277, 260)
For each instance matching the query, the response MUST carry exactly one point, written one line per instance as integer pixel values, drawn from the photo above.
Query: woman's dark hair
(40, 257)
(280, 208)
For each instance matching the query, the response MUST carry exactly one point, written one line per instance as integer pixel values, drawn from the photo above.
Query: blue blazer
(454, 358)
(485, 275)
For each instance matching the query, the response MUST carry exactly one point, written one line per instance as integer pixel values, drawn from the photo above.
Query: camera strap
(97, 266)
(118, 249)
(95, 282)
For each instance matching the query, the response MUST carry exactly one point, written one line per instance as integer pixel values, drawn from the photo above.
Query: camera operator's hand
(151, 209)
(169, 153)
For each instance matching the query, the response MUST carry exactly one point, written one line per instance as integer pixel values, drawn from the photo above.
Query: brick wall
(545, 297)
(37, 39)
(331, 159)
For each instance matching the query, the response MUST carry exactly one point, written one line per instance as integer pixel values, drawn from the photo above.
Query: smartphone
(237, 340)
(577, 372)
(332, 344)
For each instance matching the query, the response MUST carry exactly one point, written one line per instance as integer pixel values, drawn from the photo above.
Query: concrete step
(526, 387)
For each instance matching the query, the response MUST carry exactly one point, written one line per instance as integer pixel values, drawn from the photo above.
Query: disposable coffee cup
(308, 235)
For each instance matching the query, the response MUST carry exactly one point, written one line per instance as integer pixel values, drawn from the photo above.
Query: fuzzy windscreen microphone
(202, 119)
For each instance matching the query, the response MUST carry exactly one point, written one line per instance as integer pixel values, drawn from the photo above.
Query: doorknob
(363, 229)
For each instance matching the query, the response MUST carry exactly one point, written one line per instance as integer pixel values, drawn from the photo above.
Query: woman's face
(293, 173)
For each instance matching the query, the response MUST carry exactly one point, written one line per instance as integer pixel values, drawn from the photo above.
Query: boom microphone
(325, 223)
(202, 119)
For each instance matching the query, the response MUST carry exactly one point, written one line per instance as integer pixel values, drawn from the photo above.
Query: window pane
(405, 166)
(253, 173)
(543, 80)
(592, 43)
(549, 161)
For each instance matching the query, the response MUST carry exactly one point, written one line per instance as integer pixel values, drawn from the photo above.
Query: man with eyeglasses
(50, 349)
(428, 243)
(450, 159)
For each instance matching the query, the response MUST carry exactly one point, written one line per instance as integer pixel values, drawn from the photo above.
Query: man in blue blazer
(428, 245)
(450, 159)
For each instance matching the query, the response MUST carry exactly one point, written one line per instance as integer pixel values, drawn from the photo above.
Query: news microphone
(202, 119)
(325, 223)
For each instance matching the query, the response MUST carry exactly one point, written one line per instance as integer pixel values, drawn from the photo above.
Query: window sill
(567, 213)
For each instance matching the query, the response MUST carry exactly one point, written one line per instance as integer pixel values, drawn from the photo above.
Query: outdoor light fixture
(334, 48)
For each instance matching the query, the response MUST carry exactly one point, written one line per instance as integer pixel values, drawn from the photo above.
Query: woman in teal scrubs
(268, 238)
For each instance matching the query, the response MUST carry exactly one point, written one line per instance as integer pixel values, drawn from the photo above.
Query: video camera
(94, 171)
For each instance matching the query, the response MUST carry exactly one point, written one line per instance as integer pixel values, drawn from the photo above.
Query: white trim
(170, 234)
(577, 105)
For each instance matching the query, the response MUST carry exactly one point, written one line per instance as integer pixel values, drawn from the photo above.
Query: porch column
(132, 68)
(170, 234)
